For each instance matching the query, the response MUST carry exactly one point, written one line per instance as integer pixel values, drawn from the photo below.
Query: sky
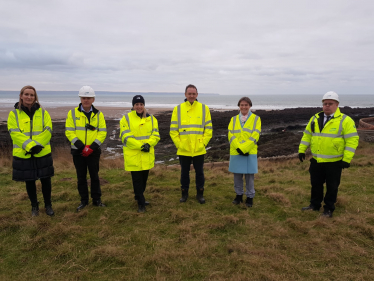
(225, 47)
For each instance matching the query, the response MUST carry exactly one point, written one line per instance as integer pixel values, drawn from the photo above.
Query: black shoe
(327, 214)
(238, 199)
(199, 196)
(49, 210)
(184, 196)
(98, 203)
(145, 203)
(141, 208)
(81, 206)
(310, 207)
(249, 202)
(35, 211)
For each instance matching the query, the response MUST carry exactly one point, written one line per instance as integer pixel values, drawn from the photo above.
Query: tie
(327, 120)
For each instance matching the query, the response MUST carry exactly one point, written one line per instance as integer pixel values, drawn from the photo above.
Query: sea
(51, 99)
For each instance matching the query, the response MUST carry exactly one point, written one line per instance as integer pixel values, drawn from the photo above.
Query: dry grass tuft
(279, 198)
(298, 225)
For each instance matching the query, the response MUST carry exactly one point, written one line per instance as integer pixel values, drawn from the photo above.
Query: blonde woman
(30, 127)
(139, 135)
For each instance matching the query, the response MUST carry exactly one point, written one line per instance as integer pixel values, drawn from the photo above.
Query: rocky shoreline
(281, 133)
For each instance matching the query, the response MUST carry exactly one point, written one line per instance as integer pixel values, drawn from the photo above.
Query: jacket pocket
(132, 158)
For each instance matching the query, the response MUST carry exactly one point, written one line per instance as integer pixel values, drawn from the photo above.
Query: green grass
(274, 240)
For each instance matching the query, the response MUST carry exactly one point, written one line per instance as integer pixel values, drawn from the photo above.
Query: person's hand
(36, 149)
(86, 151)
(145, 147)
(79, 145)
(240, 151)
(344, 165)
(301, 157)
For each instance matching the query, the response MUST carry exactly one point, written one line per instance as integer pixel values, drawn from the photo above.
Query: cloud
(221, 46)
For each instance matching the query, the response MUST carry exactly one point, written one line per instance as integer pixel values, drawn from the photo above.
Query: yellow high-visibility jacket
(245, 138)
(75, 127)
(134, 133)
(26, 133)
(337, 141)
(191, 128)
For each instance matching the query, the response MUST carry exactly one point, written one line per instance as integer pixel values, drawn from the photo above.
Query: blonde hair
(21, 93)
(144, 115)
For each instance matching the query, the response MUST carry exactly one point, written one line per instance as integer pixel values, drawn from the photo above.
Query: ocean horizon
(170, 100)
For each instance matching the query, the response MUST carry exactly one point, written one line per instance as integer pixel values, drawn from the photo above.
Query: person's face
(87, 102)
(28, 97)
(329, 106)
(191, 94)
(244, 107)
(139, 107)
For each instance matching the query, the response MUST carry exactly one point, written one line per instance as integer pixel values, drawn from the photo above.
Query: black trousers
(92, 164)
(198, 164)
(139, 183)
(319, 174)
(46, 190)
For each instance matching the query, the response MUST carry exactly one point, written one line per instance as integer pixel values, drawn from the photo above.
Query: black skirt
(32, 168)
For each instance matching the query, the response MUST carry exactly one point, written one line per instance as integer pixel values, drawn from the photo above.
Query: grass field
(274, 240)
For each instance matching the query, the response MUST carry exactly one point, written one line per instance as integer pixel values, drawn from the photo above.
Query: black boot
(49, 210)
(184, 196)
(238, 199)
(35, 210)
(199, 196)
(98, 203)
(141, 208)
(249, 202)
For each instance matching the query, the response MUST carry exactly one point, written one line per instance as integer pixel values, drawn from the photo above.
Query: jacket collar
(94, 110)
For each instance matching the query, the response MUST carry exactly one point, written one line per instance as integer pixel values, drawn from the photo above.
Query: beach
(281, 131)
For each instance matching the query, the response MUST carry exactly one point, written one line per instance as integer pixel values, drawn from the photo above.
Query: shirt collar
(84, 110)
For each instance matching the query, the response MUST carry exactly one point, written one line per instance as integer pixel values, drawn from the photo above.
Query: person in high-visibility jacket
(191, 130)
(86, 130)
(30, 127)
(244, 133)
(333, 139)
(139, 135)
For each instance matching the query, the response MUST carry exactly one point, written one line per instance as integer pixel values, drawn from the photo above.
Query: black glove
(239, 151)
(301, 157)
(79, 144)
(36, 149)
(344, 164)
(145, 147)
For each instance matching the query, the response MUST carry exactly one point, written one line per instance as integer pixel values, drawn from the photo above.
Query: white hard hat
(86, 92)
(330, 96)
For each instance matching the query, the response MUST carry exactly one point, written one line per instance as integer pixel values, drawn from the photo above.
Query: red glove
(86, 151)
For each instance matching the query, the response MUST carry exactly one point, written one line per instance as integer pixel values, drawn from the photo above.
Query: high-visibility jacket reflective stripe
(245, 138)
(26, 133)
(75, 128)
(337, 141)
(134, 133)
(191, 128)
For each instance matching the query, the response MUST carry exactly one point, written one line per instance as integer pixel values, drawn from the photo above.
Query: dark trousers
(198, 164)
(139, 182)
(319, 174)
(46, 190)
(92, 164)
